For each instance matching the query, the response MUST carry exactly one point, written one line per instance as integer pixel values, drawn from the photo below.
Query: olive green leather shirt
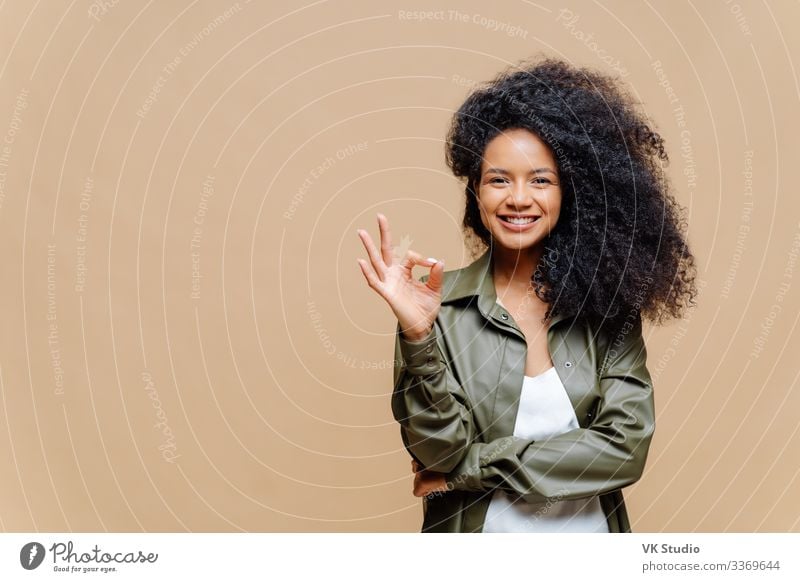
(456, 394)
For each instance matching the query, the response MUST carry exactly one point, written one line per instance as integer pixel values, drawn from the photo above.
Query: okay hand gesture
(415, 304)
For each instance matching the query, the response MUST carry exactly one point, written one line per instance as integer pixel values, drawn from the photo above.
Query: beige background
(122, 125)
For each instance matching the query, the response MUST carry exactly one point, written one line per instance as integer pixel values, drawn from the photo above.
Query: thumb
(436, 276)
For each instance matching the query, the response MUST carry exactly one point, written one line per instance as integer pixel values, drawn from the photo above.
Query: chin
(515, 243)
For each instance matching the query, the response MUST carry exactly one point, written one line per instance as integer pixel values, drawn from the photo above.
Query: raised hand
(415, 304)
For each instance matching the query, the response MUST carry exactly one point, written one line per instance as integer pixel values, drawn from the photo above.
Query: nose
(521, 195)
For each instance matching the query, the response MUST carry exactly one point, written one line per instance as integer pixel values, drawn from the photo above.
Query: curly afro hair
(618, 247)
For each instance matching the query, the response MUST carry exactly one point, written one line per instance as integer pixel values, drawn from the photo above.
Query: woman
(521, 385)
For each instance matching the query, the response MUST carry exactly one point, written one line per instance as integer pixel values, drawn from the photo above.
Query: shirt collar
(477, 278)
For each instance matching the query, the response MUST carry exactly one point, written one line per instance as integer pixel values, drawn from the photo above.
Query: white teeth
(513, 220)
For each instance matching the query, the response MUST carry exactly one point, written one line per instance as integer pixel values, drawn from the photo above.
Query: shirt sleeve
(434, 413)
(607, 455)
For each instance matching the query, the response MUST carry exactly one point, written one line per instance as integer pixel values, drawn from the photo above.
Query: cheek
(555, 204)
(485, 203)
(492, 201)
(554, 209)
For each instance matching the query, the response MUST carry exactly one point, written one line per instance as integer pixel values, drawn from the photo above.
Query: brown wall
(282, 129)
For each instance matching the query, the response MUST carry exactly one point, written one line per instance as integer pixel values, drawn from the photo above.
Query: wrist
(416, 336)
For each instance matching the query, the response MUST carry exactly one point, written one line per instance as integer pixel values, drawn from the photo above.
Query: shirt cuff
(421, 357)
(468, 473)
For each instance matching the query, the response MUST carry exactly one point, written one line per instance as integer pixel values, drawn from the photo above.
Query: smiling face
(519, 192)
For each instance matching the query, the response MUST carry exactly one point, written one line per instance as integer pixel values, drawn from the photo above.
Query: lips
(520, 226)
(518, 218)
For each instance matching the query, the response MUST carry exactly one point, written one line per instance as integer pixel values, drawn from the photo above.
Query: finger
(413, 258)
(437, 275)
(371, 277)
(386, 240)
(374, 256)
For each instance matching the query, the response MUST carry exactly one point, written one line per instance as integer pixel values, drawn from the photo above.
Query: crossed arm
(438, 430)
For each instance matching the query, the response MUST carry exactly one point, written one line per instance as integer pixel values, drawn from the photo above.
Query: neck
(516, 266)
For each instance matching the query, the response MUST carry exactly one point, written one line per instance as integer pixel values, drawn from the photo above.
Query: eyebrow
(506, 172)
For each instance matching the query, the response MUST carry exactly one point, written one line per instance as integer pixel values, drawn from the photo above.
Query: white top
(544, 411)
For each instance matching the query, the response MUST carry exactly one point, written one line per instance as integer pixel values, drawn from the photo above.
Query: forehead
(517, 147)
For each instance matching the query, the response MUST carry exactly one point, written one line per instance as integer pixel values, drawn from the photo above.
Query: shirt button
(504, 315)
(430, 361)
(567, 364)
(429, 349)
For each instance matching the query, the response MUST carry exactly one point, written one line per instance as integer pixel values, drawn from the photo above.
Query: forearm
(430, 405)
(607, 455)
(579, 463)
